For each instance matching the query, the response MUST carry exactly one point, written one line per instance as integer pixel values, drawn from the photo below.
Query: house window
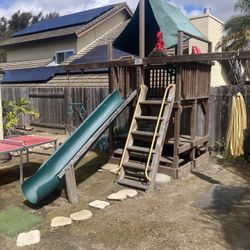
(63, 55)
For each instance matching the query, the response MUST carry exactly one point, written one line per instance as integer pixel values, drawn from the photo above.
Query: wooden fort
(161, 133)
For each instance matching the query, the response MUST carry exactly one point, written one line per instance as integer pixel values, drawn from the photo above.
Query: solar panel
(64, 21)
(42, 74)
(99, 54)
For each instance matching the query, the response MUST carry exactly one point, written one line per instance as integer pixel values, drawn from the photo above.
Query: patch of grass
(15, 220)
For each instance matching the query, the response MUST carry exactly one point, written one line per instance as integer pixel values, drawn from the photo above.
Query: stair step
(143, 133)
(148, 118)
(140, 149)
(163, 159)
(134, 165)
(133, 183)
(153, 102)
(139, 175)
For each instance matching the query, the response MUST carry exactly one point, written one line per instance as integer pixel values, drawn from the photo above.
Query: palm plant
(237, 32)
(12, 110)
(237, 28)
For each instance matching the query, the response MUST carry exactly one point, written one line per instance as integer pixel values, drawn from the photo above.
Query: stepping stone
(60, 221)
(117, 197)
(114, 171)
(109, 166)
(81, 215)
(99, 204)
(128, 192)
(163, 178)
(28, 238)
(48, 145)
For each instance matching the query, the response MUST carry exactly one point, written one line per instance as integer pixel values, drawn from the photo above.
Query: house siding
(100, 29)
(39, 50)
(211, 27)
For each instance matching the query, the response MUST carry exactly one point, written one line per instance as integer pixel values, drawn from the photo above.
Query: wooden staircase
(143, 149)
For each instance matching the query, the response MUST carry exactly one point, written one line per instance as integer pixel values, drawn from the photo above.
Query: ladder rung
(134, 165)
(139, 149)
(133, 183)
(149, 118)
(153, 102)
(143, 133)
(134, 174)
(163, 159)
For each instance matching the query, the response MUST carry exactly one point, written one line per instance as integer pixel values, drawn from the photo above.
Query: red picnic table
(22, 144)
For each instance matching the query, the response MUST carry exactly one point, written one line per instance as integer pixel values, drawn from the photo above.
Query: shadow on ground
(9, 175)
(230, 206)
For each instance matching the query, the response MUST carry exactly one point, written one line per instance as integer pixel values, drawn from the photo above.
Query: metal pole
(1, 109)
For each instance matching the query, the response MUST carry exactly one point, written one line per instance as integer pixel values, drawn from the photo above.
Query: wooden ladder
(135, 172)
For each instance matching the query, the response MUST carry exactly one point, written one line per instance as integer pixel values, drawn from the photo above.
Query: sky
(220, 8)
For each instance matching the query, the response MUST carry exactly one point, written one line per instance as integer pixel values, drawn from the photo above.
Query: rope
(156, 130)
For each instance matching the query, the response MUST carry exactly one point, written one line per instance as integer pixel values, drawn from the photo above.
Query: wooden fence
(220, 107)
(53, 105)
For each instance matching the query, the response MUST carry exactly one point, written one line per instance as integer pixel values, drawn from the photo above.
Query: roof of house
(26, 64)
(71, 29)
(99, 54)
(64, 21)
(39, 74)
(104, 39)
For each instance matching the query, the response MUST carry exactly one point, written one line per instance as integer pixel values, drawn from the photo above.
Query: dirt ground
(164, 218)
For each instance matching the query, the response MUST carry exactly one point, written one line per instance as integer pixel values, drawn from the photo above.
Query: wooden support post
(180, 43)
(210, 47)
(71, 185)
(140, 75)
(206, 122)
(177, 116)
(177, 121)
(193, 125)
(142, 28)
(141, 40)
(111, 89)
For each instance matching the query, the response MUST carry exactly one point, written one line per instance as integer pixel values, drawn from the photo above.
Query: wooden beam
(71, 185)
(111, 88)
(194, 36)
(224, 56)
(142, 28)
(180, 43)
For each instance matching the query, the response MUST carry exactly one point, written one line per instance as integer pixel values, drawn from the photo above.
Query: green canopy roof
(159, 16)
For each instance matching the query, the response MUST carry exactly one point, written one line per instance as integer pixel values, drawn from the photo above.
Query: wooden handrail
(156, 129)
(143, 88)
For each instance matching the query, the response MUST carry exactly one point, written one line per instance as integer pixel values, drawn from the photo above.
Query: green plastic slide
(45, 180)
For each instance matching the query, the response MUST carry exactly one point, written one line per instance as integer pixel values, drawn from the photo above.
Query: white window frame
(63, 51)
